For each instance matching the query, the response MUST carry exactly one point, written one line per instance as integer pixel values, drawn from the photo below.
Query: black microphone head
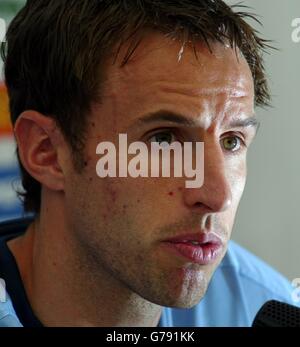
(277, 314)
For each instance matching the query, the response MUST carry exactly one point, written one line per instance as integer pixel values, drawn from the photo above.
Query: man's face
(122, 222)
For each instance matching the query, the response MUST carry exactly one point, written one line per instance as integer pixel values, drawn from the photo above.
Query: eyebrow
(177, 118)
(167, 116)
(244, 123)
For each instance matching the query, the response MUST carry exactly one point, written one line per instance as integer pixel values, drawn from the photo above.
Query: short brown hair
(55, 50)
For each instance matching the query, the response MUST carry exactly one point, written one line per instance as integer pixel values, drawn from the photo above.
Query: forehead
(159, 76)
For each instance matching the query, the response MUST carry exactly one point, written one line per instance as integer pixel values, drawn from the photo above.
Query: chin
(181, 303)
(185, 299)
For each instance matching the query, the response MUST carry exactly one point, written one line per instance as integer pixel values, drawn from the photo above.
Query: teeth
(196, 243)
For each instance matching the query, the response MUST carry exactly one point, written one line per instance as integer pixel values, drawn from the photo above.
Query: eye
(232, 143)
(163, 137)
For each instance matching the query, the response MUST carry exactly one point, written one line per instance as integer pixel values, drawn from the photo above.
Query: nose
(215, 195)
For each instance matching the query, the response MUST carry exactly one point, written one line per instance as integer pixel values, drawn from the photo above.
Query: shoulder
(8, 230)
(241, 284)
(239, 287)
(8, 317)
(248, 268)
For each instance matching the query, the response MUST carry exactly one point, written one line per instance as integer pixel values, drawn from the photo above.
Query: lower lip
(204, 254)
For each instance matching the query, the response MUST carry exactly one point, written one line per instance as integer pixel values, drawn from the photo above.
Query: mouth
(202, 248)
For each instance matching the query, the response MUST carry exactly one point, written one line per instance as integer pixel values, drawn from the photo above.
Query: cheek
(237, 178)
(146, 204)
(239, 186)
(124, 201)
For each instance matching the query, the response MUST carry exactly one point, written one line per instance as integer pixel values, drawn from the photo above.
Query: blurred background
(268, 220)
(10, 206)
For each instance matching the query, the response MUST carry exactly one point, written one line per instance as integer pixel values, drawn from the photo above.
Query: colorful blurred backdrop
(10, 205)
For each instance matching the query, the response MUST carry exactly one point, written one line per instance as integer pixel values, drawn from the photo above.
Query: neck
(64, 287)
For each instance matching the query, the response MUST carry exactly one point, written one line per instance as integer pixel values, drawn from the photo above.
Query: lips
(201, 248)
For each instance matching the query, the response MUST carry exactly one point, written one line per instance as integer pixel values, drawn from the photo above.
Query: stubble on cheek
(121, 245)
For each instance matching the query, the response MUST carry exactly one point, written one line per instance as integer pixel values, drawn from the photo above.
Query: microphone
(277, 314)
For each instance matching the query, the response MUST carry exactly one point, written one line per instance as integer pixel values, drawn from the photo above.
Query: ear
(40, 143)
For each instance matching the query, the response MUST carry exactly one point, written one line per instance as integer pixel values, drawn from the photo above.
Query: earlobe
(39, 149)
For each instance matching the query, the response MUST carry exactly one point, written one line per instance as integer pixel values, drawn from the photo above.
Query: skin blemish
(113, 195)
(171, 194)
(86, 162)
